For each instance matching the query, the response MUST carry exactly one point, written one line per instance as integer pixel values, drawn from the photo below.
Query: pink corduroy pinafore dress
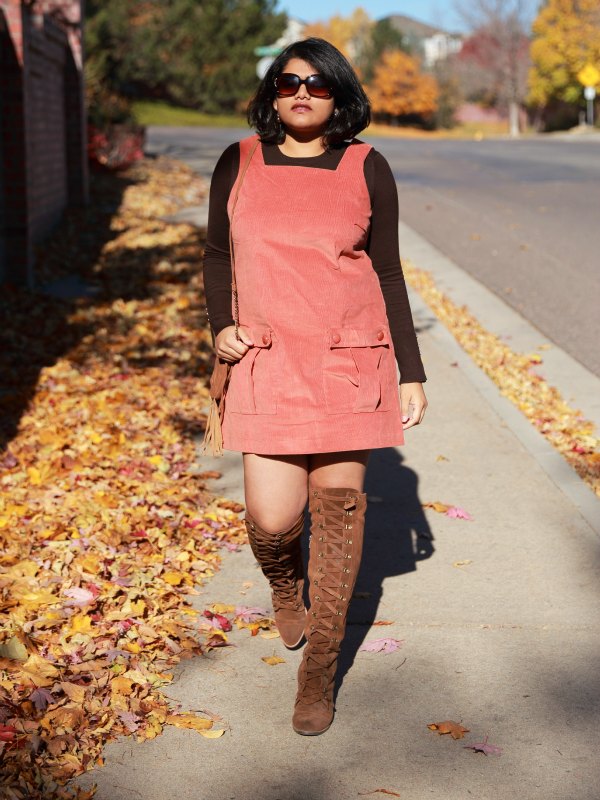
(321, 376)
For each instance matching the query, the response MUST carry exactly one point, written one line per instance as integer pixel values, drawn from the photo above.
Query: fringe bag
(213, 436)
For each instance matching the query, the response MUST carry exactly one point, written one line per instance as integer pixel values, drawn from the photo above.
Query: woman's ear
(275, 104)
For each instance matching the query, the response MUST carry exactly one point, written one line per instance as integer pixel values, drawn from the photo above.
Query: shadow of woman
(397, 536)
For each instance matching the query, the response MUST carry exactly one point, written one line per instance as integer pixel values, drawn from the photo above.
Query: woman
(323, 314)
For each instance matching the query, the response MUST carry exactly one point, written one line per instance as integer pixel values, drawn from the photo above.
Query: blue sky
(435, 12)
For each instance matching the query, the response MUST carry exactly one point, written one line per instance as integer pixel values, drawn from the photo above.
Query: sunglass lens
(287, 84)
(317, 86)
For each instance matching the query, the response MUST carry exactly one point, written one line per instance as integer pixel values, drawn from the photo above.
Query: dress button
(336, 338)
(265, 338)
(381, 336)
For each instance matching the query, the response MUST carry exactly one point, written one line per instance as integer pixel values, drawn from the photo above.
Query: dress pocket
(254, 378)
(353, 366)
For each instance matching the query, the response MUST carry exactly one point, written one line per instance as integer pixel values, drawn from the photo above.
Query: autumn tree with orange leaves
(399, 89)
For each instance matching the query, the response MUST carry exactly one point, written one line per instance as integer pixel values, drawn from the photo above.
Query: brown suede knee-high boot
(280, 558)
(337, 530)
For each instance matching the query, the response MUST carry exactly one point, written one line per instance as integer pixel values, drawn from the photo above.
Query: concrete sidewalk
(498, 616)
(506, 643)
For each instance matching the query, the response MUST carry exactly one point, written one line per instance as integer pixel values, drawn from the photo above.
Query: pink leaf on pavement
(251, 613)
(485, 748)
(382, 645)
(458, 513)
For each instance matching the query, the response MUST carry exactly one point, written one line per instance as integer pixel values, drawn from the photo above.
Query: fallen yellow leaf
(272, 660)
(211, 734)
(189, 721)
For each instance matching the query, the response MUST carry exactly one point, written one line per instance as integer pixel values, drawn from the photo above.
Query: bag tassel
(213, 434)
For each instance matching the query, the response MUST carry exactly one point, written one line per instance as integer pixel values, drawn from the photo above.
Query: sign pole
(589, 92)
(589, 76)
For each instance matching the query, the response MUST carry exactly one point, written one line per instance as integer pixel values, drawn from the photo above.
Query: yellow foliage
(348, 34)
(399, 88)
(566, 37)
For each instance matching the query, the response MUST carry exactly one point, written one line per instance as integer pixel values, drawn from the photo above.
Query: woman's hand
(413, 403)
(230, 349)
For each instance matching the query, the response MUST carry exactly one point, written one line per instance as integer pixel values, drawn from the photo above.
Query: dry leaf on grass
(380, 791)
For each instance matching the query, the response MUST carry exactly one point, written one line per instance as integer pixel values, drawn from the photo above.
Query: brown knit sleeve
(383, 249)
(217, 260)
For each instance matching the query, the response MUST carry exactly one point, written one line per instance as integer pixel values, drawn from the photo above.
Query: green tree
(384, 37)
(195, 53)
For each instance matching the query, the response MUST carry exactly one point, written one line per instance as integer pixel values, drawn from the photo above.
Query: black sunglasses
(287, 84)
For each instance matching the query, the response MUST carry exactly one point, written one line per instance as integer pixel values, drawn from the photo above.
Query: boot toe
(291, 625)
(313, 719)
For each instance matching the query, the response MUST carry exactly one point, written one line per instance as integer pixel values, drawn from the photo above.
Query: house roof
(413, 27)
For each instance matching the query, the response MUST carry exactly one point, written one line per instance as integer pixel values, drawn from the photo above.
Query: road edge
(466, 290)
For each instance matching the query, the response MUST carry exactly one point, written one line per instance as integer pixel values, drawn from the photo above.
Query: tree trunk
(513, 118)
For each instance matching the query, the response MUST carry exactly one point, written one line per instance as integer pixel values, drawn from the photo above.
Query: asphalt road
(522, 217)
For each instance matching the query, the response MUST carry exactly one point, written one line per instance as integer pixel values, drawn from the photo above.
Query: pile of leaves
(105, 524)
(516, 376)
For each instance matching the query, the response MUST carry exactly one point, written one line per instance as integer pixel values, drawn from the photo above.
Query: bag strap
(234, 292)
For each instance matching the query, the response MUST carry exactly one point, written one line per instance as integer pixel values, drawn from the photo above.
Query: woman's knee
(275, 520)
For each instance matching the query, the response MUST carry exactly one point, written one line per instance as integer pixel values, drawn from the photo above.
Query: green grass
(157, 113)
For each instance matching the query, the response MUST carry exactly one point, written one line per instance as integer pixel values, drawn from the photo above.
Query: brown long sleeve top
(382, 246)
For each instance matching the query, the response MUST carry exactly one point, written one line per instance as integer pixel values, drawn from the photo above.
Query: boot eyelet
(312, 627)
(348, 527)
(321, 538)
(339, 613)
(316, 583)
(348, 541)
(320, 555)
(318, 509)
(317, 597)
(341, 597)
(316, 493)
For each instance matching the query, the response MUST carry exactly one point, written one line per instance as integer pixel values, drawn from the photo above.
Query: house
(433, 44)
(43, 162)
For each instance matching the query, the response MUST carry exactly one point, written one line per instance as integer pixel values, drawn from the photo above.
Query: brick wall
(43, 163)
(15, 251)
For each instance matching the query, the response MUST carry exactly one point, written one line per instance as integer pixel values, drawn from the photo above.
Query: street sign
(589, 75)
(269, 50)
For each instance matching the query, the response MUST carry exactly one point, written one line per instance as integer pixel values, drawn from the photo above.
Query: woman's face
(302, 113)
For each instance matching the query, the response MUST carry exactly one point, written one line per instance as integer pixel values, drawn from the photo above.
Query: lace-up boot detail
(335, 553)
(280, 558)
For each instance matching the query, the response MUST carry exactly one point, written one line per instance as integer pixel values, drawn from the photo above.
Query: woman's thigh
(276, 489)
(332, 470)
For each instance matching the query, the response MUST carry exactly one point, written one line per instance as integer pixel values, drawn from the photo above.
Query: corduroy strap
(234, 292)
(213, 435)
